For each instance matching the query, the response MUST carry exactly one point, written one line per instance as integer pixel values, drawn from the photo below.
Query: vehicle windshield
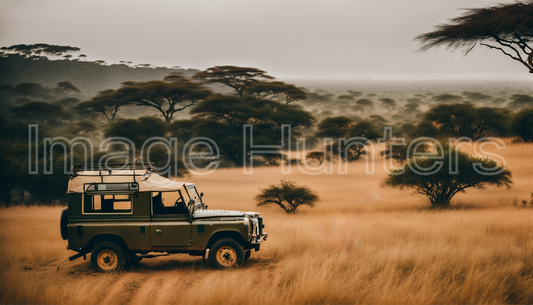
(195, 200)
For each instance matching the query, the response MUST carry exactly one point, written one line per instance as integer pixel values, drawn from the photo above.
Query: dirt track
(160, 280)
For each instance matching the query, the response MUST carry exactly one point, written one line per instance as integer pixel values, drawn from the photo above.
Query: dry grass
(363, 243)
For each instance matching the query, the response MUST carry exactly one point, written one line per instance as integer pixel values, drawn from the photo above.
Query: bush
(287, 195)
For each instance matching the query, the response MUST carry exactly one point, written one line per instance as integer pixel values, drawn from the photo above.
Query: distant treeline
(90, 77)
(173, 104)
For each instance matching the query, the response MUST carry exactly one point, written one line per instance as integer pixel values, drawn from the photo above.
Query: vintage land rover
(122, 215)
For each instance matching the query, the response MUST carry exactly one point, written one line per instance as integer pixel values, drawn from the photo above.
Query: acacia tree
(221, 118)
(287, 195)
(364, 104)
(446, 98)
(275, 90)
(388, 103)
(65, 88)
(456, 120)
(507, 27)
(341, 127)
(238, 78)
(175, 93)
(346, 99)
(107, 103)
(427, 177)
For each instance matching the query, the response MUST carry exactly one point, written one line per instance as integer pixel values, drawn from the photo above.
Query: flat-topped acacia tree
(506, 27)
(238, 78)
(287, 195)
(436, 181)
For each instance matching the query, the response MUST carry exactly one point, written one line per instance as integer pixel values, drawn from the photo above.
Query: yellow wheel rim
(226, 256)
(107, 260)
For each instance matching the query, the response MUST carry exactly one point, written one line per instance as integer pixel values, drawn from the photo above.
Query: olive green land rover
(121, 216)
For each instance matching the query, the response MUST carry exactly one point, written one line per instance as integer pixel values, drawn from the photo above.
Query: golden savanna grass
(363, 243)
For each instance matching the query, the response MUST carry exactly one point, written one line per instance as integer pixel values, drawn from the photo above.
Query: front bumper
(256, 241)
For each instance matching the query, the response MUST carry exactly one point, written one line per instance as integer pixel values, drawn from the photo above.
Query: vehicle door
(170, 225)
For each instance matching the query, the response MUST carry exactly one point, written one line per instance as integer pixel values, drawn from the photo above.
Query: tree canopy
(457, 120)
(39, 49)
(438, 184)
(107, 103)
(522, 124)
(275, 90)
(287, 195)
(507, 27)
(238, 78)
(41, 112)
(342, 127)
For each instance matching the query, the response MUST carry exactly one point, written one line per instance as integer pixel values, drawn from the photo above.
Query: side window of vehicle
(168, 203)
(120, 204)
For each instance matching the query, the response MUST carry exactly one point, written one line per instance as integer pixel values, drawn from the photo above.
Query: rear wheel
(108, 257)
(226, 254)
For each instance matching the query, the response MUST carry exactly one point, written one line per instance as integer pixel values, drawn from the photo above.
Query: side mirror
(202, 194)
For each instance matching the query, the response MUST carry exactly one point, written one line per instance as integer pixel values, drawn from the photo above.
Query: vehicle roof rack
(145, 168)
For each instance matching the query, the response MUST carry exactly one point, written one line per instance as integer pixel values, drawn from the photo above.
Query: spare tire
(63, 225)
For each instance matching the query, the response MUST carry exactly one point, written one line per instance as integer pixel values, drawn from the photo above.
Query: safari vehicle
(120, 215)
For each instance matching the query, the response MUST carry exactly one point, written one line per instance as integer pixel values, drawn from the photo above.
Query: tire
(63, 224)
(226, 253)
(108, 257)
(247, 255)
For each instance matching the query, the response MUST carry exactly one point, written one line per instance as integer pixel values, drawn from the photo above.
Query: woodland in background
(215, 103)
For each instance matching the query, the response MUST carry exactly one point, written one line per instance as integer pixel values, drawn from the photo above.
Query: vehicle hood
(217, 213)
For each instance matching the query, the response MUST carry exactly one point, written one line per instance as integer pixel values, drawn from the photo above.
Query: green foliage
(342, 128)
(221, 119)
(275, 90)
(522, 124)
(174, 94)
(446, 98)
(137, 130)
(520, 101)
(107, 104)
(31, 91)
(238, 78)
(65, 89)
(388, 103)
(40, 112)
(437, 183)
(364, 105)
(457, 120)
(288, 196)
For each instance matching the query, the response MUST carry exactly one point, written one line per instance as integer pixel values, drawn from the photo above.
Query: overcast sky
(298, 39)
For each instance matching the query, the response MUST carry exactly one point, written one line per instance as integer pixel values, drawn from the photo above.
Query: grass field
(363, 243)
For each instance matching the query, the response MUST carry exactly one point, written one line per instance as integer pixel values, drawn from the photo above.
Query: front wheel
(226, 254)
(108, 257)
